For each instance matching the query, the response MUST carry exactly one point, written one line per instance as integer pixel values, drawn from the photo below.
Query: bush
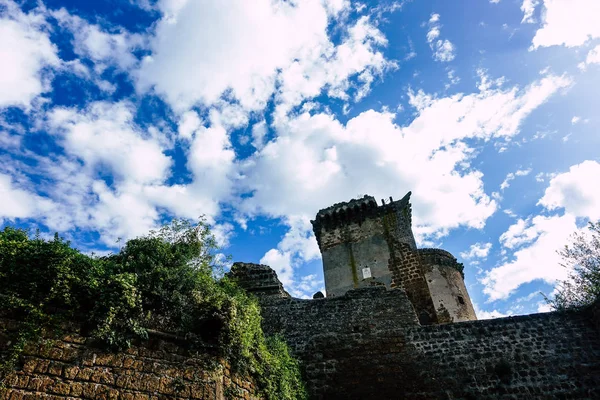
(582, 258)
(165, 280)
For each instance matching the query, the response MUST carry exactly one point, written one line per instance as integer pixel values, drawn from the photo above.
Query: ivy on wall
(165, 280)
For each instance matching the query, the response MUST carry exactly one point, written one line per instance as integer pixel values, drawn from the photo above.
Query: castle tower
(363, 244)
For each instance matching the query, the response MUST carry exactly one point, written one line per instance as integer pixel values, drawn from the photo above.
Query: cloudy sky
(118, 115)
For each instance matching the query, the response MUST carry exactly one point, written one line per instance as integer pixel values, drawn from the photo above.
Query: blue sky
(116, 116)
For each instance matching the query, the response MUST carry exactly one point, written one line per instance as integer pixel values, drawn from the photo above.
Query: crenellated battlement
(369, 343)
(439, 257)
(357, 211)
(364, 243)
(258, 278)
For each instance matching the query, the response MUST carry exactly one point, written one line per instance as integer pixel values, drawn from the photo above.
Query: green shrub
(165, 280)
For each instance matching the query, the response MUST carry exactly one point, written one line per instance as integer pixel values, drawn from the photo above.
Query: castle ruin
(363, 244)
(398, 323)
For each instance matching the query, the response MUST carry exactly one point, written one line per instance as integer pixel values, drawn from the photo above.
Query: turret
(363, 243)
(444, 277)
(355, 239)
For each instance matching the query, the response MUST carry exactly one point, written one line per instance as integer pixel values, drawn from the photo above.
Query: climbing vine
(164, 280)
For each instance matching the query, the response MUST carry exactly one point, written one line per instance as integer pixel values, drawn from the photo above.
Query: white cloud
(568, 22)
(575, 120)
(537, 239)
(477, 250)
(241, 49)
(543, 236)
(306, 286)
(25, 51)
(211, 163)
(121, 212)
(544, 307)
(104, 48)
(542, 176)
(576, 191)
(528, 7)
(315, 161)
(517, 235)
(297, 246)
(259, 132)
(281, 262)
(593, 57)
(229, 115)
(512, 175)
(443, 49)
(487, 83)
(223, 233)
(20, 203)
(211, 160)
(188, 124)
(481, 314)
(112, 177)
(105, 135)
(452, 79)
(101, 182)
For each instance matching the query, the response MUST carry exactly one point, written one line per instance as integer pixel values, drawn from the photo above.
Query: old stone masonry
(398, 323)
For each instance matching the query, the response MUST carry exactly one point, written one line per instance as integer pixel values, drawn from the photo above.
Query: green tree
(582, 257)
(166, 280)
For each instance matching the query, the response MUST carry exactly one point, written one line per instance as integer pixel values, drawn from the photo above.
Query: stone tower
(365, 244)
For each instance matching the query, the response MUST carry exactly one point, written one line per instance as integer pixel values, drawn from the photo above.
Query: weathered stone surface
(155, 370)
(373, 342)
(368, 344)
(405, 339)
(365, 244)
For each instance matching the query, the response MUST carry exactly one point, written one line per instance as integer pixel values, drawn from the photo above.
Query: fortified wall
(365, 244)
(397, 322)
(163, 367)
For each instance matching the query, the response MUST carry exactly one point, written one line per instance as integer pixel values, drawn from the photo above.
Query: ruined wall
(407, 273)
(363, 244)
(354, 247)
(552, 355)
(368, 344)
(71, 368)
(351, 238)
(345, 343)
(447, 286)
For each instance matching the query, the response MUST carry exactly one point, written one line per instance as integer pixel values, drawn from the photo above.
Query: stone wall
(364, 244)
(552, 355)
(447, 286)
(354, 238)
(343, 340)
(358, 247)
(161, 368)
(368, 344)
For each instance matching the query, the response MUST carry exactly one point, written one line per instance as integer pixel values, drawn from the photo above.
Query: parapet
(356, 211)
(439, 257)
(258, 279)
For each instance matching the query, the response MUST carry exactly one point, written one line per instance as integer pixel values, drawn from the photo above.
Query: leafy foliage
(165, 280)
(582, 258)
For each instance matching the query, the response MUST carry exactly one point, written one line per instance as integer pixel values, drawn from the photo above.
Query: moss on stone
(353, 266)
